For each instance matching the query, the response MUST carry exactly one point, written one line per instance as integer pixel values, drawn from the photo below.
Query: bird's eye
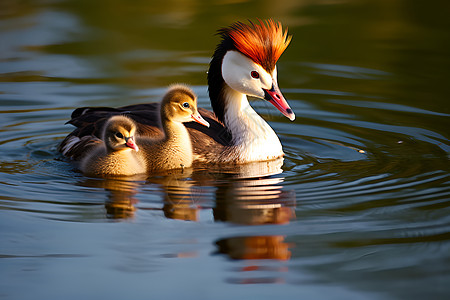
(186, 105)
(119, 135)
(254, 74)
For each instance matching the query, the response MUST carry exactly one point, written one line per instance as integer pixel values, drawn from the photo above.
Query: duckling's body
(117, 153)
(174, 149)
(115, 164)
(121, 153)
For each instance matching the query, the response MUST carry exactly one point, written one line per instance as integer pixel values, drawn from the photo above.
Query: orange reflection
(255, 247)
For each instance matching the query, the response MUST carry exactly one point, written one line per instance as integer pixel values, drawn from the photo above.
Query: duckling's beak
(131, 143)
(275, 97)
(199, 119)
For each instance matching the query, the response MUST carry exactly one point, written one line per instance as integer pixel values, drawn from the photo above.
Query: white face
(245, 76)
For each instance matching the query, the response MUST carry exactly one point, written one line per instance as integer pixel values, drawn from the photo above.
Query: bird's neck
(117, 152)
(176, 133)
(251, 135)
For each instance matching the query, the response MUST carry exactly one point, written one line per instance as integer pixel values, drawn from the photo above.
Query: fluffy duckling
(117, 153)
(174, 149)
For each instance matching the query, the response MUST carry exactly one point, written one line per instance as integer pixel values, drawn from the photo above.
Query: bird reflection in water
(256, 199)
(182, 201)
(179, 200)
(255, 247)
(121, 194)
(250, 194)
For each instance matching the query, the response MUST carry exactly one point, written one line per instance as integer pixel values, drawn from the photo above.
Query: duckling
(116, 153)
(174, 149)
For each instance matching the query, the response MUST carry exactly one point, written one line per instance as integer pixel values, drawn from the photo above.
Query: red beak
(199, 119)
(131, 143)
(275, 97)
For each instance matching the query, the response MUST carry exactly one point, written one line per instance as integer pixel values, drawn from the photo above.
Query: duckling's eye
(254, 74)
(119, 135)
(186, 105)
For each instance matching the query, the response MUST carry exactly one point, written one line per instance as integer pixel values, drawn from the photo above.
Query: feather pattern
(262, 42)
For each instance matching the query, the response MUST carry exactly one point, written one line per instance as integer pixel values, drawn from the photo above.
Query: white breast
(253, 138)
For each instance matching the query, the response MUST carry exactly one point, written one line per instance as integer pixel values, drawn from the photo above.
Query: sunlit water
(358, 208)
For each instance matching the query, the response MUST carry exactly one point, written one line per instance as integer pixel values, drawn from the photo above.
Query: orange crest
(263, 43)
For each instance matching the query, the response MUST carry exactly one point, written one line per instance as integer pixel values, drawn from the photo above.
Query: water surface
(358, 208)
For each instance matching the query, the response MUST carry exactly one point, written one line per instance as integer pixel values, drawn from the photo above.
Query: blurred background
(358, 208)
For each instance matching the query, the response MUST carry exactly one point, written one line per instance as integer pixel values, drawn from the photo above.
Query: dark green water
(358, 210)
